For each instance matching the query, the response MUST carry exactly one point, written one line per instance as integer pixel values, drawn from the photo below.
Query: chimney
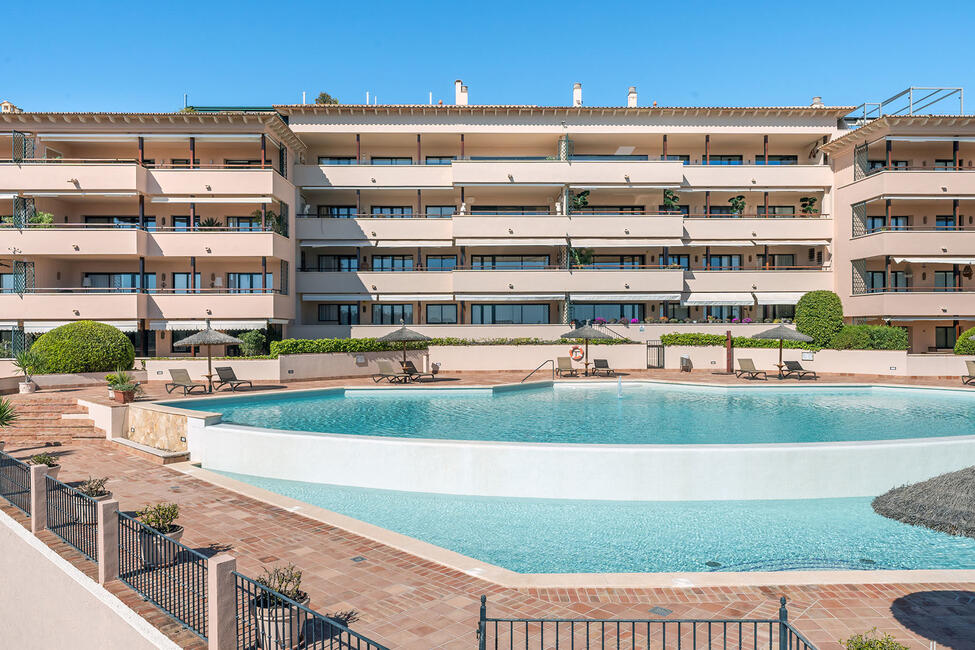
(631, 97)
(460, 93)
(817, 102)
(577, 94)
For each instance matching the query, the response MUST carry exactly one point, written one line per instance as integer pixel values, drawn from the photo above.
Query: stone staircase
(49, 419)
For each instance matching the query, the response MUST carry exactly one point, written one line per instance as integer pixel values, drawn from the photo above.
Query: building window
(336, 160)
(392, 211)
(877, 165)
(249, 282)
(723, 159)
(723, 312)
(503, 314)
(677, 209)
(333, 314)
(777, 261)
(439, 160)
(876, 281)
(944, 163)
(875, 224)
(338, 263)
(677, 311)
(944, 281)
(682, 157)
(898, 223)
(774, 159)
(441, 262)
(117, 282)
(391, 160)
(509, 209)
(336, 211)
(508, 262)
(181, 223)
(945, 337)
(617, 262)
(181, 283)
(120, 222)
(184, 162)
(244, 224)
(441, 211)
(392, 314)
(611, 209)
(725, 262)
(944, 222)
(624, 312)
(7, 283)
(781, 311)
(778, 211)
(441, 314)
(392, 263)
(683, 261)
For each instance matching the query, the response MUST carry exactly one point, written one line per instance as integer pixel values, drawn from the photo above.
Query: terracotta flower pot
(157, 551)
(84, 514)
(278, 625)
(124, 396)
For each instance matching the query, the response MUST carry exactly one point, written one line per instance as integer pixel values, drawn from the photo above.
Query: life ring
(576, 353)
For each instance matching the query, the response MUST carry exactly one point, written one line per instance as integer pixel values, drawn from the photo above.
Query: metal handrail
(551, 361)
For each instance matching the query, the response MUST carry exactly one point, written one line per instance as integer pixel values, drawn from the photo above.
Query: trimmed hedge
(699, 339)
(324, 346)
(870, 337)
(819, 314)
(84, 346)
(964, 345)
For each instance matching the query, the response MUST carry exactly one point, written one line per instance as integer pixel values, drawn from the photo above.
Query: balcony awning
(533, 241)
(124, 325)
(510, 297)
(340, 297)
(7, 196)
(415, 297)
(718, 299)
(935, 260)
(338, 242)
(41, 326)
(621, 242)
(791, 242)
(211, 199)
(718, 243)
(9, 325)
(47, 195)
(778, 297)
(929, 138)
(621, 297)
(199, 325)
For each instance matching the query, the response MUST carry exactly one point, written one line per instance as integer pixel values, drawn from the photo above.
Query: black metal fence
(72, 516)
(655, 354)
(639, 634)
(171, 576)
(15, 482)
(271, 621)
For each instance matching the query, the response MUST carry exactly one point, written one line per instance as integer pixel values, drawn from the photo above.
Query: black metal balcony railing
(135, 290)
(72, 516)
(898, 289)
(587, 213)
(918, 168)
(699, 159)
(15, 482)
(135, 161)
(575, 267)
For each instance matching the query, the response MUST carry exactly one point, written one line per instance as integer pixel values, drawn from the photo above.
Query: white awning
(164, 137)
(412, 243)
(935, 260)
(778, 297)
(338, 297)
(42, 195)
(415, 297)
(124, 325)
(791, 242)
(9, 325)
(621, 297)
(211, 199)
(7, 196)
(510, 297)
(622, 242)
(930, 138)
(713, 243)
(385, 243)
(41, 326)
(718, 299)
(534, 241)
(198, 325)
(338, 242)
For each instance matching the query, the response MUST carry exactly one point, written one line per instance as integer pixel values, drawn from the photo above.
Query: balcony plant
(580, 200)
(28, 362)
(278, 621)
(155, 540)
(737, 205)
(807, 205)
(93, 488)
(581, 257)
(126, 392)
(671, 201)
(44, 458)
(211, 224)
(117, 378)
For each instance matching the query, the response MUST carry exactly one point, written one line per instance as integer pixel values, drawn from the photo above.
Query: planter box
(278, 626)
(156, 549)
(84, 514)
(124, 396)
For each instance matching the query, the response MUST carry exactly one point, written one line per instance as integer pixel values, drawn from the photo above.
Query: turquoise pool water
(646, 413)
(562, 536)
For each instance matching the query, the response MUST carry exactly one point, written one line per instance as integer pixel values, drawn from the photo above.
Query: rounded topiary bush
(819, 314)
(965, 345)
(84, 346)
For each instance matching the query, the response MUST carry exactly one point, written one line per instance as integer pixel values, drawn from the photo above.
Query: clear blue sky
(139, 56)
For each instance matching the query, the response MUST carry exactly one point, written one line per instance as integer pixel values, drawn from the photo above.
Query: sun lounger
(229, 377)
(390, 374)
(181, 379)
(602, 366)
(970, 377)
(795, 369)
(415, 375)
(564, 368)
(746, 368)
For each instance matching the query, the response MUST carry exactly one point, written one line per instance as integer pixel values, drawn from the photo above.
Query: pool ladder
(551, 361)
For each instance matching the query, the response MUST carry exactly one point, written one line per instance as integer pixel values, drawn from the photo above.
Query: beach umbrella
(403, 335)
(944, 503)
(587, 333)
(208, 337)
(782, 333)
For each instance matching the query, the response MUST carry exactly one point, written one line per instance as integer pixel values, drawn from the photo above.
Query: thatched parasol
(208, 337)
(782, 333)
(404, 335)
(944, 503)
(587, 332)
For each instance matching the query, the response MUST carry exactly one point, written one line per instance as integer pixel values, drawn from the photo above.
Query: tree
(819, 314)
(325, 98)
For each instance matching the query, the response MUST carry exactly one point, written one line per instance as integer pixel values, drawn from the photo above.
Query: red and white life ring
(576, 353)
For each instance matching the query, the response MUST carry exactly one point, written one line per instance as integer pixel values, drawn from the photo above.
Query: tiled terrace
(409, 602)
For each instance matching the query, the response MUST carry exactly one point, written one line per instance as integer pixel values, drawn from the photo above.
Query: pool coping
(515, 580)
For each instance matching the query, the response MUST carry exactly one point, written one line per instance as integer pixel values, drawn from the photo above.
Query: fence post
(783, 625)
(482, 625)
(38, 498)
(106, 540)
(221, 602)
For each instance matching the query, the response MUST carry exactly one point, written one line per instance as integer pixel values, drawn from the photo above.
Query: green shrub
(44, 458)
(819, 314)
(851, 337)
(699, 339)
(870, 337)
(253, 343)
(84, 346)
(8, 414)
(160, 517)
(870, 641)
(285, 580)
(965, 345)
(323, 346)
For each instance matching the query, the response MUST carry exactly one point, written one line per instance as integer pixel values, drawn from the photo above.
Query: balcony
(819, 227)
(219, 305)
(757, 177)
(315, 231)
(584, 230)
(219, 243)
(220, 182)
(561, 280)
(73, 176)
(630, 173)
(72, 304)
(912, 302)
(912, 182)
(75, 240)
(373, 282)
(373, 176)
(790, 280)
(910, 241)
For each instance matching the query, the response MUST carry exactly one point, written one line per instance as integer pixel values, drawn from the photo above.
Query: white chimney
(631, 97)
(577, 94)
(460, 93)
(817, 102)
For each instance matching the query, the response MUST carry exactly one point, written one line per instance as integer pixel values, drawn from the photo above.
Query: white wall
(528, 357)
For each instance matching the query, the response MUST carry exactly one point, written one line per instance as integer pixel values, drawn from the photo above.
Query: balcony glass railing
(575, 267)
(699, 159)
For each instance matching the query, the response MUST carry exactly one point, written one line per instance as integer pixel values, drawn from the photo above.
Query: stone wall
(161, 427)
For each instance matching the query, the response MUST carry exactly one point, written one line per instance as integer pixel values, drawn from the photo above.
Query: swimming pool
(645, 413)
(580, 536)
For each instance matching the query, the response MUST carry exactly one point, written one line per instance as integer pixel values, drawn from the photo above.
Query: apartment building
(482, 220)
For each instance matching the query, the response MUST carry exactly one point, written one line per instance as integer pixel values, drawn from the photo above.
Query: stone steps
(42, 419)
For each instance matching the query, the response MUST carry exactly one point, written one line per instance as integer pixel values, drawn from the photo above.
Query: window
(439, 160)
(117, 282)
(679, 209)
(682, 157)
(617, 261)
(945, 337)
(723, 312)
(392, 262)
(774, 159)
(182, 223)
(720, 211)
(336, 211)
(877, 165)
(509, 209)
(441, 211)
(390, 160)
(509, 314)
(7, 283)
(392, 314)
(683, 261)
(875, 281)
(249, 282)
(898, 223)
(677, 311)
(336, 160)
(442, 314)
(121, 222)
(441, 262)
(333, 314)
(181, 283)
(582, 312)
(781, 311)
(944, 163)
(724, 262)
(244, 224)
(723, 159)
(778, 211)
(944, 222)
(609, 156)
(944, 281)
(898, 281)
(508, 262)
(777, 261)
(875, 224)
(242, 162)
(392, 211)
(340, 263)
(185, 162)
(611, 209)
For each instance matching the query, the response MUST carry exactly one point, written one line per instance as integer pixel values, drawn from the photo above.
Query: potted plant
(671, 201)
(116, 378)
(28, 363)
(277, 622)
(44, 458)
(737, 205)
(160, 518)
(807, 205)
(8, 415)
(93, 488)
(125, 393)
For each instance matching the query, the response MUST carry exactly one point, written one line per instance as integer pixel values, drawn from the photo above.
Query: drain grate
(358, 558)
(661, 611)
